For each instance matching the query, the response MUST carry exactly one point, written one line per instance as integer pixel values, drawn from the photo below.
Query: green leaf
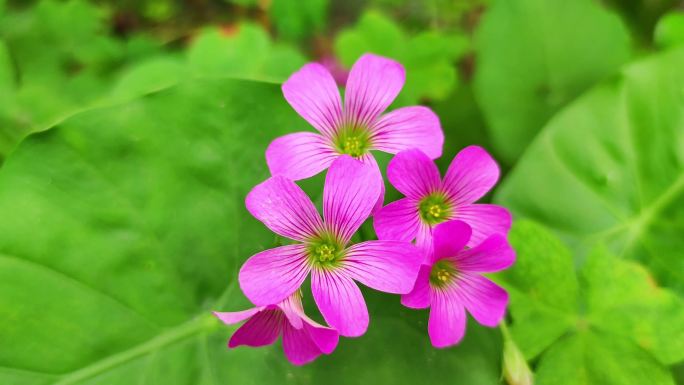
(428, 57)
(616, 327)
(610, 168)
(596, 358)
(215, 53)
(622, 298)
(542, 286)
(298, 19)
(535, 56)
(669, 31)
(123, 227)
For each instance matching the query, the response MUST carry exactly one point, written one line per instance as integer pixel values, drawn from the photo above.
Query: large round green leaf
(535, 56)
(123, 227)
(610, 168)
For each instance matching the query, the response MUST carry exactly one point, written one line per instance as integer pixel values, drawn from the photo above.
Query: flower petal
(398, 221)
(272, 275)
(312, 92)
(413, 174)
(262, 329)
(284, 208)
(351, 191)
(425, 241)
(340, 302)
(298, 345)
(300, 155)
(484, 299)
(450, 238)
(373, 83)
(325, 338)
(409, 127)
(419, 296)
(234, 317)
(472, 173)
(447, 322)
(485, 220)
(370, 160)
(494, 254)
(389, 266)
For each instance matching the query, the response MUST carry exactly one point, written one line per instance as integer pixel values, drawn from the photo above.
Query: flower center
(434, 209)
(443, 272)
(325, 251)
(353, 141)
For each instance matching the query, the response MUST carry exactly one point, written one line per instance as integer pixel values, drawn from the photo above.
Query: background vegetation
(130, 132)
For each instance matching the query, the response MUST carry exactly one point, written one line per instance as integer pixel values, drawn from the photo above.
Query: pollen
(443, 273)
(325, 251)
(353, 141)
(434, 209)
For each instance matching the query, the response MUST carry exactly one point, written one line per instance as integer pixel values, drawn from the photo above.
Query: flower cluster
(433, 245)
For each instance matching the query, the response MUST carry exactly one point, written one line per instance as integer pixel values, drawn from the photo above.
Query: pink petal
(472, 173)
(447, 322)
(325, 338)
(424, 241)
(272, 275)
(409, 127)
(351, 191)
(413, 174)
(485, 300)
(300, 155)
(370, 160)
(450, 238)
(262, 329)
(298, 345)
(230, 318)
(398, 221)
(340, 302)
(373, 83)
(293, 310)
(485, 220)
(419, 296)
(389, 266)
(284, 208)
(494, 254)
(312, 92)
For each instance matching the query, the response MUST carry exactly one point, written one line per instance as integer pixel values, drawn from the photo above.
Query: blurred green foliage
(122, 222)
(670, 30)
(533, 59)
(429, 57)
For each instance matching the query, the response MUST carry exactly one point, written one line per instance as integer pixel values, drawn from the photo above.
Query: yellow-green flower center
(325, 251)
(443, 272)
(434, 209)
(353, 141)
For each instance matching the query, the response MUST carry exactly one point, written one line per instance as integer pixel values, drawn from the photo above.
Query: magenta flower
(349, 194)
(354, 128)
(303, 339)
(430, 200)
(451, 282)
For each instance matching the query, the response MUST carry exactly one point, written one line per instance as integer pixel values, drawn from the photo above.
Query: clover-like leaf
(533, 58)
(122, 227)
(616, 327)
(610, 168)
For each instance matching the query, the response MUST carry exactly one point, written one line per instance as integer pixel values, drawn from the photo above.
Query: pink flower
(430, 200)
(451, 282)
(303, 339)
(354, 128)
(349, 194)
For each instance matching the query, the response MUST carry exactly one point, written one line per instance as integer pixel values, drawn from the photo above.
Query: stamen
(435, 209)
(353, 140)
(443, 273)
